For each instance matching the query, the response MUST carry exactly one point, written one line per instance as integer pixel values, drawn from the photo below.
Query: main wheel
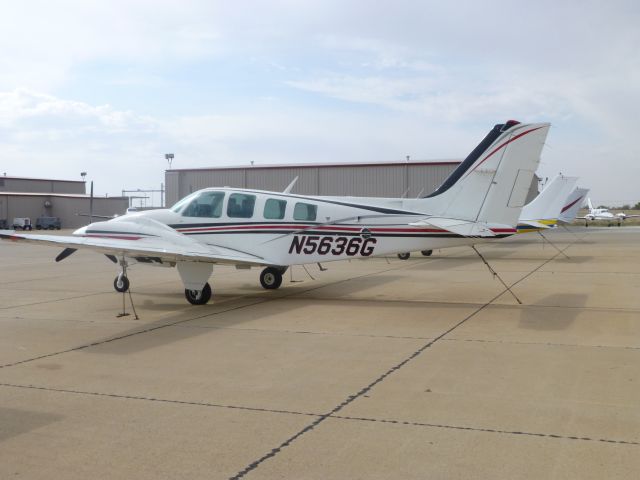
(121, 284)
(427, 253)
(404, 256)
(195, 297)
(271, 278)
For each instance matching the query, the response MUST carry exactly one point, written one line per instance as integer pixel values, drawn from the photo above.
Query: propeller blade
(111, 257)
(65, 253)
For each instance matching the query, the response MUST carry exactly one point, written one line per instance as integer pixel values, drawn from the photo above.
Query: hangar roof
(12, 177)
(48, 194)
(320, 165)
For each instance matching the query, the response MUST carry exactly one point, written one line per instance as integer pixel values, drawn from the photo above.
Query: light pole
(169, 157)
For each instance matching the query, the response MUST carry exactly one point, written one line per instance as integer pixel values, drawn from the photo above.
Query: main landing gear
(198, 297)
(271, 277)
(406, 255)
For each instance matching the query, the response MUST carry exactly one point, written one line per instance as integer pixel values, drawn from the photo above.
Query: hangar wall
(391, 179)
(65, 206)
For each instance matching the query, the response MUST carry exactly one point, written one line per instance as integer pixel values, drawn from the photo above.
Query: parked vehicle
(48, 223)
(22, 223)
(4, 225)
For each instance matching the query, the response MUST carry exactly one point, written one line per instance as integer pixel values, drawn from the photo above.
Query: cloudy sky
(108, 87)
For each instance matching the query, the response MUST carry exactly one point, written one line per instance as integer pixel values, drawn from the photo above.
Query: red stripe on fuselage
(501, 147)
(117, 237)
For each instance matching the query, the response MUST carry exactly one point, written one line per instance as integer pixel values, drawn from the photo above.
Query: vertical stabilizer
(572, 205)
(548, 204)
(492, 183)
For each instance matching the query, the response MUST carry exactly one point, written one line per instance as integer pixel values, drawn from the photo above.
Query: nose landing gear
(121, 283)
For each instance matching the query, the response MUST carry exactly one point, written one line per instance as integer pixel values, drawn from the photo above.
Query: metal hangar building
(36, 197)
(385, 179)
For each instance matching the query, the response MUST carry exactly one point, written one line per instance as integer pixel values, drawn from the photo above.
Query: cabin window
(241, 205)
(274, 209)
(305, 212)
(205, 205)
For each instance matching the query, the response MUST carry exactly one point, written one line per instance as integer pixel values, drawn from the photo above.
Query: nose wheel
(271, 278)
(121, 283)
(198, 297)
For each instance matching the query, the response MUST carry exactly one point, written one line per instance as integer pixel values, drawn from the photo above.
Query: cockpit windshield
(206, 204)
(181, 203)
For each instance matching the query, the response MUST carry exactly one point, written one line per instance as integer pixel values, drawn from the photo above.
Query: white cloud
(355, 81)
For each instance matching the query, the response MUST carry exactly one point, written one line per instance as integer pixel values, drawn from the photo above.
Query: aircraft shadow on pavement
(14, 422)
(542, 316)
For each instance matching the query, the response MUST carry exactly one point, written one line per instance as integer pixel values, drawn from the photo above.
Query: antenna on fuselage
(290, 186)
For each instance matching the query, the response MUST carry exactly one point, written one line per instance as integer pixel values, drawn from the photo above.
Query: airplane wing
(143, 245)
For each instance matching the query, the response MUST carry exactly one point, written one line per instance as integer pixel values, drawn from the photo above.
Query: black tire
(198, 298)
(123, 287)
(426, 253)
(404, 256)
(271, 278)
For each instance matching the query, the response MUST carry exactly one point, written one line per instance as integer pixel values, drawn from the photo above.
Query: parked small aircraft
(544, 210)
(480, 201)
(572, 204)
(604, 214)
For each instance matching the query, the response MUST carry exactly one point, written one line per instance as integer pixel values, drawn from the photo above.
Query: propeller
(65, 253)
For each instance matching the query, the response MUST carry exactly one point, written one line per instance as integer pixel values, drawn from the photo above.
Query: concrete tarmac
(377, 369)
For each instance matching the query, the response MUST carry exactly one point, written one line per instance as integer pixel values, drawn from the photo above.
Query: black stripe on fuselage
(466, 164)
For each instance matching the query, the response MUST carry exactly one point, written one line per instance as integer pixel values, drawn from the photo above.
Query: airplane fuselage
(286, 229)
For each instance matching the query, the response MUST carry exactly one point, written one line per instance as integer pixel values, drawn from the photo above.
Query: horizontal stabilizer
(461, 227)
(534, 224)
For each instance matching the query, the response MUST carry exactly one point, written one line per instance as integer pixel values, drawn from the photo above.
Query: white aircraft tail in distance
(573, 204)
(604, 214)
(544, 210)
(480, 201)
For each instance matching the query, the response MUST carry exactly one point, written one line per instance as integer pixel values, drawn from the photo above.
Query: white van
(22, 223)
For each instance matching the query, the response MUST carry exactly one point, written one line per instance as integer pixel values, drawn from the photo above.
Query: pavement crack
(161, 400)
(351, 398)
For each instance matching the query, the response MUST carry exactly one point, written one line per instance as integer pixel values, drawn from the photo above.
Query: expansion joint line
(351, 398)
(179, 322)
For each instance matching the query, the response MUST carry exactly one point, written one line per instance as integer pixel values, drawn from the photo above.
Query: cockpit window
(241, 205)
(305, 211)
(206, 205)
(274, 209)
(181, 203)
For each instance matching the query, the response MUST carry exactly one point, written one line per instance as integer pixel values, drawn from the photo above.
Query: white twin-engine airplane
(481, 200)
(604, 214)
